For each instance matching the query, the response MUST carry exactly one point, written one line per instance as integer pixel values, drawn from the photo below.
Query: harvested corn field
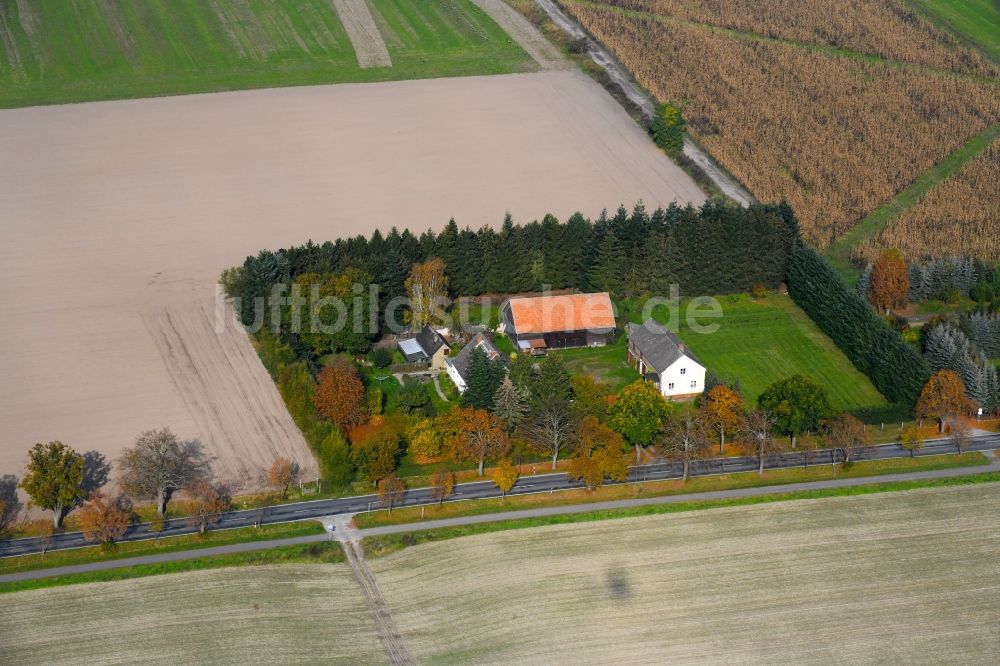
(836, 136)
(888, 29)
(960, 216)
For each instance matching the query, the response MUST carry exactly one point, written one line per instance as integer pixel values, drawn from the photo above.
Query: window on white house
(684, 371)
(670, 386)
(694, 384)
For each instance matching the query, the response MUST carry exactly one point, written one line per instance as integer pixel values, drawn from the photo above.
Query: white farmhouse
(661, 357)
(457, 366)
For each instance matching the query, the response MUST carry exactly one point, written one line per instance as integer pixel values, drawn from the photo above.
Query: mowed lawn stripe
(53, 52)
(764, 341)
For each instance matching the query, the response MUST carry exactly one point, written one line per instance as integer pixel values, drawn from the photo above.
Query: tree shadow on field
(617, 583)
(96, 472)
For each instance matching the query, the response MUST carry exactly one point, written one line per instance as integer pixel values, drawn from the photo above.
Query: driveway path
(348, 534)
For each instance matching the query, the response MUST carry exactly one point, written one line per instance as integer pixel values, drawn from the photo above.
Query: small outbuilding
(663, 358)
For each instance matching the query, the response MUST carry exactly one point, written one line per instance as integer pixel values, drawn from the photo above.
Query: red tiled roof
(569, 312)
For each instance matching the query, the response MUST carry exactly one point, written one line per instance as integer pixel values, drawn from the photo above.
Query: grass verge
(699, 484)
(325, 552)
(62, 558)
(385, 545)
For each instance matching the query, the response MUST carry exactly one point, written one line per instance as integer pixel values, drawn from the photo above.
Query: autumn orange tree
(377, 454)
(504, 476)
(601, 453)
(103, 519)
(481, 437)
(722, 409)
(847, 435)
(207, 502)
(943, 398)
(340, 395)
(391, 490)
(890, 286)
(283, 473)
(442, 484)
(427, 289)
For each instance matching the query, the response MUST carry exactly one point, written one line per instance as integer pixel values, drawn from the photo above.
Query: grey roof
(411, 349)
(463, 359)
(430, 340)
(660, 347)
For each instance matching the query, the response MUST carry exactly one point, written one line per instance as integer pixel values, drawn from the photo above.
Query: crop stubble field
(776, 583)
(814, 113)
(119, 217)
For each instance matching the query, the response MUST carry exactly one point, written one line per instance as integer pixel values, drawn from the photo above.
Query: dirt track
(115, 213)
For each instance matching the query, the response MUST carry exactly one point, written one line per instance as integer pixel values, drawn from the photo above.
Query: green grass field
(976, 20)
(55, 52)
(764, 341)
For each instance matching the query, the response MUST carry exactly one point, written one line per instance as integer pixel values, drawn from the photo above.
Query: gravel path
(393, 642)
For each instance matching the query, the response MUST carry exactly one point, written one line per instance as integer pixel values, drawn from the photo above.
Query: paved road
(538, 483)
(345, 533)
(620, 75)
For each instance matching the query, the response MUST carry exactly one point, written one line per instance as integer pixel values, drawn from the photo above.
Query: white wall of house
(684, 377)
(455, 378)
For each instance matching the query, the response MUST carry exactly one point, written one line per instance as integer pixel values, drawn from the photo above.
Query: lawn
(762, 341)
(976, 20)
(55, 53)
(607, 364)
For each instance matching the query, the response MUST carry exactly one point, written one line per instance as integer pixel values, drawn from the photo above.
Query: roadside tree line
(157, 467)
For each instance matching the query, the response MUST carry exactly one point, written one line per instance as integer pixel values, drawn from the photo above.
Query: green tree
(639, 414)
(504, 476)
(377, 455)
(484, 380)
(590, 397)
(52, 479)
(797, 404)
(606, 269)
(668, 128)
(510, 404)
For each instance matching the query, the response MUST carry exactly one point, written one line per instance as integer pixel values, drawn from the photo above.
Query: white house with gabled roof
(663, 358)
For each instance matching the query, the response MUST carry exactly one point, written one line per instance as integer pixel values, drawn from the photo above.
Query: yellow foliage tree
(722, 410)
(427, 289)
(505, 475)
